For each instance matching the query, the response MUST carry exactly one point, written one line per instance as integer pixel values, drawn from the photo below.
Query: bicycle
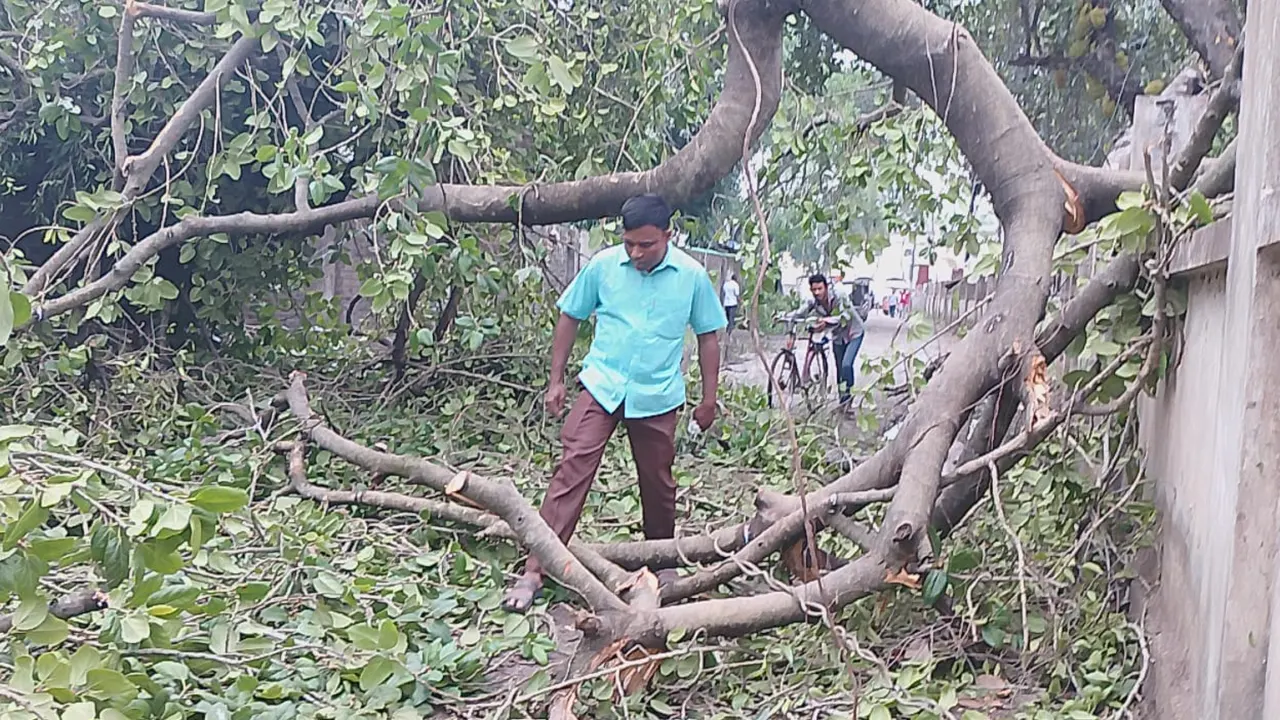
(787, 376)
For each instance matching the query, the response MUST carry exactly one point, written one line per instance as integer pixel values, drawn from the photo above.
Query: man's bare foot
(522, 594)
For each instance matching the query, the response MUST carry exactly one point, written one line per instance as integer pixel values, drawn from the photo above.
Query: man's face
(646, 246)
(819, 291)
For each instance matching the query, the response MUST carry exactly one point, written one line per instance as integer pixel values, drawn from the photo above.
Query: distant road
(884, 335)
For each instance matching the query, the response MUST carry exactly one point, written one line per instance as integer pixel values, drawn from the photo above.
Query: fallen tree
(972, 399)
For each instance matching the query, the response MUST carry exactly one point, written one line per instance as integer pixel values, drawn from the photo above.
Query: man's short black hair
(647, 209)
(817, 279)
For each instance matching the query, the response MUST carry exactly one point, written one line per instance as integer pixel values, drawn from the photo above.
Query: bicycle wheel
(817, 379)
(786, 377)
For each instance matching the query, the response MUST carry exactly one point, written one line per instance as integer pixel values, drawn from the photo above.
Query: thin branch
(784, 531)
(489, 525)
(1017, 545)
(1029, 438)
(178, 15)
(82, 602)
(119, 92)
(138, 169)
(196, 226)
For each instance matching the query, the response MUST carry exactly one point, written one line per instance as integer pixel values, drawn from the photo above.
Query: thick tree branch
(941, 64)
(501, 498)
(1211, 26)
(967, 489)
(711, 154)
(695, 168)
(1224, 101)
(1218, 176)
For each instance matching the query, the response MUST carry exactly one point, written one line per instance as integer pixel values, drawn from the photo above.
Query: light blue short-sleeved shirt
(640, 324)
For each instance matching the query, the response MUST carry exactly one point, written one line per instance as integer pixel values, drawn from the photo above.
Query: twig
(1140, 632)
(1022, 555)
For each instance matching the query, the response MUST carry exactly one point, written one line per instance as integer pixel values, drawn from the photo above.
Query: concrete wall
(1175, 431)
(1212, 436)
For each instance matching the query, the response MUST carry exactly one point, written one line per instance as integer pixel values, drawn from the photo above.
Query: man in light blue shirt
(644, 294)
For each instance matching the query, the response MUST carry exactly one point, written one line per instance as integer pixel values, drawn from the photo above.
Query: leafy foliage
(124, 467)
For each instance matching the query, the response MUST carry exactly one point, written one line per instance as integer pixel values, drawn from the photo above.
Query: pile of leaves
(223, 594)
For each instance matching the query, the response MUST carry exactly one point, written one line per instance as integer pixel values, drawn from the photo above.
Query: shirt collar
(665, 263)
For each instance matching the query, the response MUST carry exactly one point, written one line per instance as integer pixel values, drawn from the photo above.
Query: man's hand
(555, 398)
(704, 415)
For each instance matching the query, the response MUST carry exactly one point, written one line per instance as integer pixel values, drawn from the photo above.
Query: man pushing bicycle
(835, 310)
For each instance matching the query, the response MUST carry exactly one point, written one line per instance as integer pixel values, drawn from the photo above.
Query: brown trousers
(586, 431)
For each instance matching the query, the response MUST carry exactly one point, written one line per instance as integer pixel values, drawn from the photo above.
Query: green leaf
(662, 707)
(6, 318)
(21, 309)
(135, 629)
(935, 584)
(1200, 208)
(175, 517)
(15, 432)
(563, 75)
(166, 289)
(332, 587)
(993, 636)
(371, 288)
(106, 12)
(30, 613)
(174, 670)
(84, 659)
(363, 636)
(388, 636)
(159, 559)
(182, 597)
(880, 712)
(216, 498)
(378, 671)
(523, 48)
(51, 632)
(470, 636)
(79, 213)
(110, 684)
(52, 549)
(32, 518)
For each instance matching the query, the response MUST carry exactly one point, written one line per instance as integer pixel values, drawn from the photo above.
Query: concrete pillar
(1246, 448)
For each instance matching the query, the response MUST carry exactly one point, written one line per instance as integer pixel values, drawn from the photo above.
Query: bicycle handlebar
(812, 328)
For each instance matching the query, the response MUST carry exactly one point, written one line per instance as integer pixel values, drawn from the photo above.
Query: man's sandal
(522, 595)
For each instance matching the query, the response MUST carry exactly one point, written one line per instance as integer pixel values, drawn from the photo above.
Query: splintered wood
(1036, 391)
(1073, 209)
(632, 676)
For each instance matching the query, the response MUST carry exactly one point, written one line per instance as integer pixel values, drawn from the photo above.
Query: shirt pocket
(671, 314)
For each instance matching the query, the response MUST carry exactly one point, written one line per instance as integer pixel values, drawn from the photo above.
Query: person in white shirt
(729, 296)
